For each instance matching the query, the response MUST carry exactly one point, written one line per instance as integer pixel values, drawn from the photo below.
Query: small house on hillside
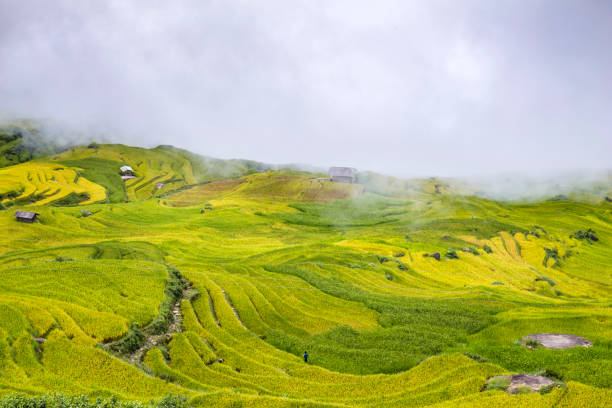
(127, 173)
(26, 216)
(342, 174)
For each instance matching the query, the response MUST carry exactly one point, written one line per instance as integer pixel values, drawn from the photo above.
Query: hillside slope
(91, 173)
(281, 263)
(21, 141)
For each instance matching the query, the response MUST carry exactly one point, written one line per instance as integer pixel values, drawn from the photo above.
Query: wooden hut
(26, 216)
(342, 174)
(127, 171)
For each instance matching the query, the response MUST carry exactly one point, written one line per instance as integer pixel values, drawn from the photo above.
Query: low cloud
(432, 88)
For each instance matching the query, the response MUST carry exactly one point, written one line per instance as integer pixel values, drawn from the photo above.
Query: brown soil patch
(558, 341)
(515, 384)
(533, 382)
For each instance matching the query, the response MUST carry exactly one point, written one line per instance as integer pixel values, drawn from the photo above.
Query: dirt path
(176, 326)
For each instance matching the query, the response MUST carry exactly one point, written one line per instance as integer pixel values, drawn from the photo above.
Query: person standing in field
(305, 356)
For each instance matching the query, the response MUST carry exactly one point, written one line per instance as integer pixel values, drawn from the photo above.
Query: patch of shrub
(476, 357)
(551, 254)
(382, 259)
(132, 341)
(547, 389)
(388, 276)
(451, 254)
(553, 375)
(399, 254)
(471, 250)
(71, 199)
(172, 401)
(498, 383)
(588, 236)
(533, 344)
(487, 249)
(546, 279)
(174, 290)
(82, 401)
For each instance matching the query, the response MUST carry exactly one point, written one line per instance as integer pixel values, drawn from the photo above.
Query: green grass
(104, 172)
(500, 383)
(283, 264)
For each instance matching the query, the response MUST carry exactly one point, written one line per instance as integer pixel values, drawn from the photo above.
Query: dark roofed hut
(26, 216)
(342, 174)
(127, 171)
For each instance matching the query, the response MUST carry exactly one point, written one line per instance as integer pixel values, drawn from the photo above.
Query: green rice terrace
(201, 282)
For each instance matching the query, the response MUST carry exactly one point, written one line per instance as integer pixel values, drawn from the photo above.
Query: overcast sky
(407, 88)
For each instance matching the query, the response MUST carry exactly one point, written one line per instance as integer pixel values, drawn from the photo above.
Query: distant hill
(21, 141)
(86, 174)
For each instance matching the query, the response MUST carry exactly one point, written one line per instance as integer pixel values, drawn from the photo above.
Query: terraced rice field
(86, 175)
(46, 183)
(282, 264)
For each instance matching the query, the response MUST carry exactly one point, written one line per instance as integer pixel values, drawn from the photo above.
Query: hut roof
(342, 171)
(26, 214)
(126, 168)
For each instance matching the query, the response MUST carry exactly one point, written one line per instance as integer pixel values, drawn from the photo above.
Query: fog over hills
(436, 88)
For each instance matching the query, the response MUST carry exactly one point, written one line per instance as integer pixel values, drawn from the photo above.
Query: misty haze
(305, 203)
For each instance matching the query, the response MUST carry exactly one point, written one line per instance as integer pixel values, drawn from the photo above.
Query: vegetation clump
(471, 250)
(174, 291)
(451, 254)
(588, 235)
(487, 249)
(532, 343)
(545, 279)
(71, 199)
(132, 341)
(551, 253)
(82, 401)
(476, 357)
(382, 259)
(498, 383)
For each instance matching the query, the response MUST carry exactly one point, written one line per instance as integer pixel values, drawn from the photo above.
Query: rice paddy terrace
(212, 286)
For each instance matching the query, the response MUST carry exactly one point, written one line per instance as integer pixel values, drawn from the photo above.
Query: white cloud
(410, 88)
